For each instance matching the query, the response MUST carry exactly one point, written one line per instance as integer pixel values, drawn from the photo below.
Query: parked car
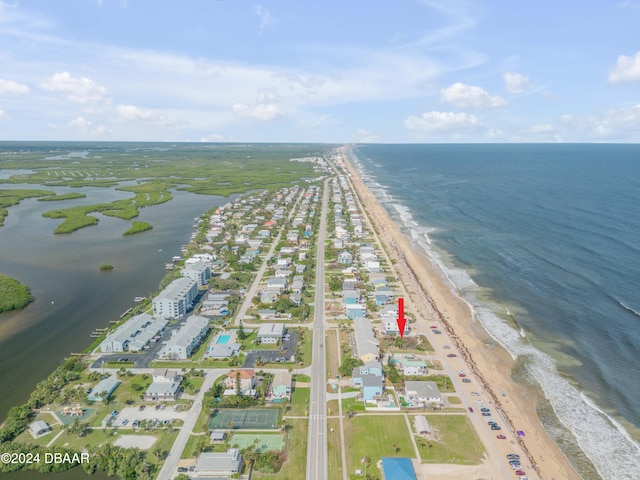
(471, 409)
(141, 407)
(502, 437)
(451, 355)
(466, 380)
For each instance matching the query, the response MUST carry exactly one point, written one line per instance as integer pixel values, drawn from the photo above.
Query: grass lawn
(455, 441)
(25, 437)
(374, 437)
(334, 455)
(192, 443)
(301, 377)
(352, 404)
(299, 401)
(453, 400)
(333, 354)
(296, 465)
(127, 389)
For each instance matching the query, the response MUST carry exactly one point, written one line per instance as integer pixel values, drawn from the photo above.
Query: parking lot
(130, 414)
(274, 356)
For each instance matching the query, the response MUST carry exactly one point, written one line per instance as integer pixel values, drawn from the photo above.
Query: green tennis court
(266, 443)
(250, 418)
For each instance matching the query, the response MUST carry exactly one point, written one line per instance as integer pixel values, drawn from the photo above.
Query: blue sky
(332, 71)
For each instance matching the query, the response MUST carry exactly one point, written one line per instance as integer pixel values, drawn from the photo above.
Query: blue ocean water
(546, 236)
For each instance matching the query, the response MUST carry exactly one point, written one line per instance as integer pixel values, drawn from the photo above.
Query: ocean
(543, 241)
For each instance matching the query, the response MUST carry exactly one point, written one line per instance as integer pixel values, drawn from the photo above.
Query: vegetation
(13, 295)
(64, 196)
(455, 441)
(14, 197)
(138, 227)
(106, 267)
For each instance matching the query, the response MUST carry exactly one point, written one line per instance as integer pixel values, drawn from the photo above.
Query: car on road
(451, 355)
(501, 437)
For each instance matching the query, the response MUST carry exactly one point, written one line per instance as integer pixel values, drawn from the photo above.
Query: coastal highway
(317, 442)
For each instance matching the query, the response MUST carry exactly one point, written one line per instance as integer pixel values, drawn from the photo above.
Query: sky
(357, 71)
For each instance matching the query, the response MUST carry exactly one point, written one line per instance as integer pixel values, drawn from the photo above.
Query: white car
(460, 372)
(475, 394)
(477, 400)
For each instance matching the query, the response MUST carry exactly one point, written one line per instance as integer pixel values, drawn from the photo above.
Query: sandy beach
(432, 298)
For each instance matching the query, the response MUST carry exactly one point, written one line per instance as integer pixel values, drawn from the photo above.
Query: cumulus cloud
(78, 89)
(266, 19)
(627, 69)
(260, 111)
(86, 126)
(365, 136)
(9, 87)
(133, 113)
(469, 96)
(516, 83)
(213, 137)
(443, 122)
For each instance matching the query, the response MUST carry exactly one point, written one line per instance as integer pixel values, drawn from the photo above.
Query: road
(317, 443)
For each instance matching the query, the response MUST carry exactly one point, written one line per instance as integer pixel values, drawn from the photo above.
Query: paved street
(317, 442)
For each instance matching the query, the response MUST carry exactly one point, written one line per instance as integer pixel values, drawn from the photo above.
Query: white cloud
(213, 137)
(516, 83)
(78, 89)
(443, 122)
(133, 113)
(627, 69)
(542, 128)
(260, 111)
(266, 19)
(3, 114)
(87, 127)
(9, 87)
(365, 136)
(495, 134)
(469, 96)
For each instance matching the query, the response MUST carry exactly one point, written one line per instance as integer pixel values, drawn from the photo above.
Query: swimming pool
(223, 339)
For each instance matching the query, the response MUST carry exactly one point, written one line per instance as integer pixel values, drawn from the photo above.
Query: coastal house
(391, 327)
(350, 297)
(367, 346)
(165, 386)
(425, 394)
(185, 340)
(270, 333)
(246, 377)
(356, 310)
(281, 385)
(345, 257)
(413, 366)
(219, 465)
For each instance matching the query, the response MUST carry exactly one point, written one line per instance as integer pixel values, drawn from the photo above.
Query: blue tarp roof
(398, 469)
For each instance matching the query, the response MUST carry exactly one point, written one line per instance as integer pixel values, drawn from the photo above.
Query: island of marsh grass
(63, 196)
(9, 198)
(204, 169)
(138, 227)
(13, 295)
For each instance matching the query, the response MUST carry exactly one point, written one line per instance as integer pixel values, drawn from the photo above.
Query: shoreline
(433, 297)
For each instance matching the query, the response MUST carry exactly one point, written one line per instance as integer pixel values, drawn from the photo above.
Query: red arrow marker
(401, 321)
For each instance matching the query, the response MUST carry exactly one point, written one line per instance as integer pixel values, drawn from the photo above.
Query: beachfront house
(413, 366)
(425, 394)
(367, 346)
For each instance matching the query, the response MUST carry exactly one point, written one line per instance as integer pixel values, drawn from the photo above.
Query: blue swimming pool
(223, 339)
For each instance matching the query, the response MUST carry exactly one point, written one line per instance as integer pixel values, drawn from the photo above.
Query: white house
(219, 464)
(423, 393)
(165, 385)
(270, 332)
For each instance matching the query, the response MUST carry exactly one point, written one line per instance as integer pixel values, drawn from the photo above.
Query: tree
(241, 333)
(238, 385)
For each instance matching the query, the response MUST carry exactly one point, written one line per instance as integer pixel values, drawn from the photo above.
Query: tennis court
(266, 443)
(250, 418)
